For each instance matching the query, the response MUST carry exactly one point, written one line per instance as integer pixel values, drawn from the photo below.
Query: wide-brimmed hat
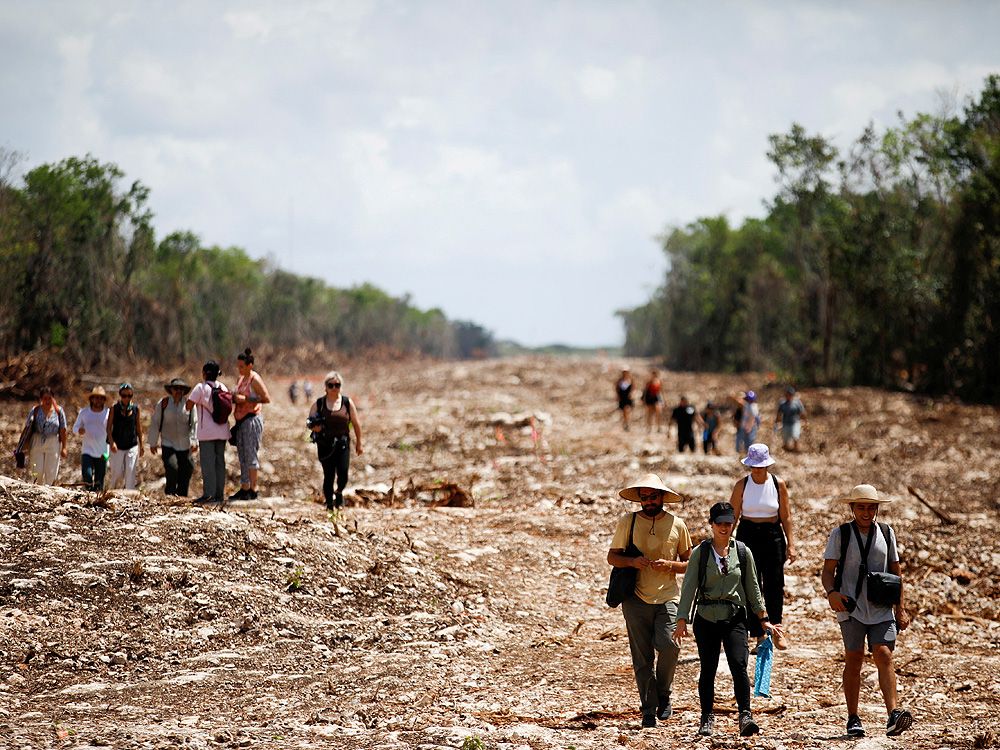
(98, 392)
(176, 383)
(650, 482)
(864, 493)
(758, 456)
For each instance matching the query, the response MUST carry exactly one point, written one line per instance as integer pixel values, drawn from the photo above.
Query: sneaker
(748, 726)
(899, 722)
(648, 721)
(707, 723)
(241, 494)
(664, 711)
(854, 728)
(251, 495)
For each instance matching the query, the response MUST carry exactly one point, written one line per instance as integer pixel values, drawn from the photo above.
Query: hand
(358, 449)
(791, 554)
(838, 602)
(142, 450)
(661, 565)
(63, 453)
(680, 631)
(194, 448)
(316, 428)
(82, 431)
(153, 449)
(239, 398)
(114, 448)
(902, 618)
(641, 562)
(771, 629)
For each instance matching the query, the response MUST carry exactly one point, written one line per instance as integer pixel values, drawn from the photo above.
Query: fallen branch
(945, 518)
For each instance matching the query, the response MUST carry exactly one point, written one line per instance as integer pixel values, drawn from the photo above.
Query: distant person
(746, 433)
(307, 390)
(852, 548)
(44, 437)
(623, 392)
(125, 439)
(212, 435)
(250, 395)
(710, 423)
(293, 392)
(652, 398)
(737, 403)
(726, 598)
(331, 419)
(685, 415)
(651, 613)
(176, 427)
(92, 424)
(789, 416)
(760, 502)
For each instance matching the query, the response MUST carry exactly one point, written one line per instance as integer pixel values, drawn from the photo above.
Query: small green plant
(333, 516)
(472, 742)
(296, 579)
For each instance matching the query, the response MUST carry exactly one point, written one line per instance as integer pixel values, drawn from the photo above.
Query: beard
(652, 511)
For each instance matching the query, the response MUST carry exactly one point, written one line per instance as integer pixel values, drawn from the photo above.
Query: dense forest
(876, 266)
(86, 277)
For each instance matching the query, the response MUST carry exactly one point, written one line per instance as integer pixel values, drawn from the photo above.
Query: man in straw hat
(651, 614)
(92, 424)
(173, 425)
(847, 592)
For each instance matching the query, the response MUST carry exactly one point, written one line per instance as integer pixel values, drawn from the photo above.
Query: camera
(315, 421)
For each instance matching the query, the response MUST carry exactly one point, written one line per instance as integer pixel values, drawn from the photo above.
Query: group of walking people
(733, 591)
(687, 418)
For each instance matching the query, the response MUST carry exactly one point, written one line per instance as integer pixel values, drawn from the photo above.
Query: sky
(511, 163)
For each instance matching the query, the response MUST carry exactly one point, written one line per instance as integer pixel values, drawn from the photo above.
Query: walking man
(853, 551)
(651, 614)
(685, 415)
(789, 416)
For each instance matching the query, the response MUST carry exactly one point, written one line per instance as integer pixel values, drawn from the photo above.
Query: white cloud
(597, 84)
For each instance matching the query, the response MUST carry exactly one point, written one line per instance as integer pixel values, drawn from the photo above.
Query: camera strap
(865, 549)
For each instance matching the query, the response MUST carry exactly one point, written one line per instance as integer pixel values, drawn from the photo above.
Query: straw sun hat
(650, 482)
(864, 493)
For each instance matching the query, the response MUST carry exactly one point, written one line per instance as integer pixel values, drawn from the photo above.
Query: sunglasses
(724, 563)
(333, 385)
(125, 395)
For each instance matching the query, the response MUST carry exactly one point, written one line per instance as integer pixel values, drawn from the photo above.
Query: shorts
(854, 633)
(791, 431)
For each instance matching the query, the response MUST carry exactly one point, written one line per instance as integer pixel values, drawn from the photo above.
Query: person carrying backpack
(331, 419)
(176, 427)
(44, 438)
(726, 594)
(858, 556)
(215, 404)
(125, 439)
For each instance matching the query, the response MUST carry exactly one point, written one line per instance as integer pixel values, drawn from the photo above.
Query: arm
(62, 442)
(357, 427)
(138, 430)
(111, 421)
(785, 515)
(155, 426)
(618, 559)
(258, 391)
(688, 591)
(834, 598)
(736, 499)
(193, 431)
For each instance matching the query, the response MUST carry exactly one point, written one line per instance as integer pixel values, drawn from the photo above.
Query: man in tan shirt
(651, 613)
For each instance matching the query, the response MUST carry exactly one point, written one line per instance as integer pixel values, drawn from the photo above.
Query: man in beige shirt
(651, 613)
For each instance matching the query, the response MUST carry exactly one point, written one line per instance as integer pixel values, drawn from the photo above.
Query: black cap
(722, 513)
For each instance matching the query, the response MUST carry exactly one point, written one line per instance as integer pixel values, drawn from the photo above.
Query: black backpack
(845, 542)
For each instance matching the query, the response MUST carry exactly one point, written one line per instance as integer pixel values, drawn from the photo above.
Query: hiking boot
(854, 728)
(899, 722)
(648, 721)
(748, 727)
(251, 495)
(664, 711)
(707, 724)
(241, 494)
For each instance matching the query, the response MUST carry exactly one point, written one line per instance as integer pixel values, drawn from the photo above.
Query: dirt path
(135, 623)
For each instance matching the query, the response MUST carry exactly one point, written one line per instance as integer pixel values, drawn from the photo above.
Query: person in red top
(249, 396)
(652, 397)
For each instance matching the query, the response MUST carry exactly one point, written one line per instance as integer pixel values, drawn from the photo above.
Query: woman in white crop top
(760, 502)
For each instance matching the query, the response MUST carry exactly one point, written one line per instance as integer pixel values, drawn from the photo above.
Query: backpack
(222, 404)
(774, 479)
(845, 541)
(741, 555)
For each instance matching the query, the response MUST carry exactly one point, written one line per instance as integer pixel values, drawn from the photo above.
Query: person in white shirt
(91, 423)
(212, 435)
(175, 426)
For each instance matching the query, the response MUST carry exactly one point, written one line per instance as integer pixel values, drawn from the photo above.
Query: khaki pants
(44, 455)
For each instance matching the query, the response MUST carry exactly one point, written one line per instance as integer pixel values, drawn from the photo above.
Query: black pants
(336, 460)
(178, 467)
(767, 543)
(731, 636)
(685, 440)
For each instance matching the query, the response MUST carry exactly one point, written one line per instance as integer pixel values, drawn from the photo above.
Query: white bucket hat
(650, 482)
(758, 456)
(864, 493)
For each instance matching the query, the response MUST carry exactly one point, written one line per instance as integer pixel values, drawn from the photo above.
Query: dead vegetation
(459, 596)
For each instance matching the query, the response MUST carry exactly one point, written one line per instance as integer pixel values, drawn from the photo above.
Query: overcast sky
(509, 162)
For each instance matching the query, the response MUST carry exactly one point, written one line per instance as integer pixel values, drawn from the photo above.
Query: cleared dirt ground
(134, 622)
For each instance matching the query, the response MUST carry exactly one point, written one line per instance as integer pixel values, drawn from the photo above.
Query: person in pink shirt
(212, 435)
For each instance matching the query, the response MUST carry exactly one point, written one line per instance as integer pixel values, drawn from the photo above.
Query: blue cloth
(762, 671)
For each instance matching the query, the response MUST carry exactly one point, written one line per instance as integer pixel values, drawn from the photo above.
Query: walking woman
(331, 419)
(176, 427)
(92, 424)
(250, 395)
(44, 435)
(727, 597)
(760, 501)
(125, 438)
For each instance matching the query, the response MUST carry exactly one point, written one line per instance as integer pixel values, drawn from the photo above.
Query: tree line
(878, 265)
(85, 276)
